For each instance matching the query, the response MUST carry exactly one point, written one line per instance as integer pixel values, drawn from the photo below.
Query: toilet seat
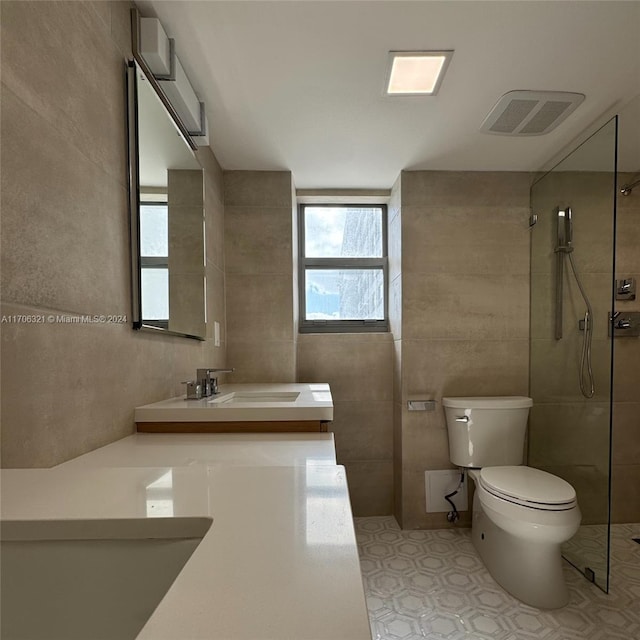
(528, 487)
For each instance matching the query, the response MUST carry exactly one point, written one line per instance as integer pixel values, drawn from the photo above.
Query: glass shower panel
(572, 267)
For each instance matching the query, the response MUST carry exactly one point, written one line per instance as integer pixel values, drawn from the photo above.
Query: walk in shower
(572, 283)
(585, 328)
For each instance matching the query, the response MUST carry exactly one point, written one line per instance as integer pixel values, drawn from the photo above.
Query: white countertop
(313, 402)
(280, 559)
(230, 449)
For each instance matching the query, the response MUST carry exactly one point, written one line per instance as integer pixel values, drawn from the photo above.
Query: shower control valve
(626, 289)
(624, 324)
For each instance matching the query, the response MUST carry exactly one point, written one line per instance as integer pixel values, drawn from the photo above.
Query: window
(154, 263)
(343, 268)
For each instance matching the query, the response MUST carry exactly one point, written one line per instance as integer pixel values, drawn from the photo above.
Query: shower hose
(586, 369)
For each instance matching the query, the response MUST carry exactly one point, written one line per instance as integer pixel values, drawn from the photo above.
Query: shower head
(564, 230)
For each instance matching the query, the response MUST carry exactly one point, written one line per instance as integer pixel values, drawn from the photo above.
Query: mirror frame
(133, 170)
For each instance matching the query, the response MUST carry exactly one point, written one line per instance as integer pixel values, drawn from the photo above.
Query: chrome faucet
(209, 383)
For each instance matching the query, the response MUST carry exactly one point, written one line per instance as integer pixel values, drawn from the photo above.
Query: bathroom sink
(98, 579)
(257, 396)
(260, 407)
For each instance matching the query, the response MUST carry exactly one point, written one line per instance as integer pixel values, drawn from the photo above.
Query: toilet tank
(488, 431)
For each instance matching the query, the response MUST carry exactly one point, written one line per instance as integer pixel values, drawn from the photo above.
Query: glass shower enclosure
(572, 287)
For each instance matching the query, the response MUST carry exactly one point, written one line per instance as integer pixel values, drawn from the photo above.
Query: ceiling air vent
(530, 113)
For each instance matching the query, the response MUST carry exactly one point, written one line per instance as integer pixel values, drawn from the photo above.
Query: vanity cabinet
(243, 408)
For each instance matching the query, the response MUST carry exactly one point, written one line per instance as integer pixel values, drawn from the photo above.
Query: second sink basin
(257, 396)
(281, 402)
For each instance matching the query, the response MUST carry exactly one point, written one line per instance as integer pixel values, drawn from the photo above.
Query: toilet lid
(528, 486)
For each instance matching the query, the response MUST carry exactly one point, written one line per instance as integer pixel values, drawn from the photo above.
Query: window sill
(372, 339)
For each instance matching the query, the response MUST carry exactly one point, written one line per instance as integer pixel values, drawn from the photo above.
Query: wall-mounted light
(416, 73)
(158, 52)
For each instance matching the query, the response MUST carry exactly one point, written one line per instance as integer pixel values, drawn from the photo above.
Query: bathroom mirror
(167, 214)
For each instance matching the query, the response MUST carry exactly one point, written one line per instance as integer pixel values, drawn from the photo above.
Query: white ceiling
(298, 84)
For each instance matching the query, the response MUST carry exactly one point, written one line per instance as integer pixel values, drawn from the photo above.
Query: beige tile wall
(69, 388)
(568, 434)
(626, 390)
(258, 237)
(263, 340)
(215, 261)
(359, 369)
(464, 314)
(186, 252)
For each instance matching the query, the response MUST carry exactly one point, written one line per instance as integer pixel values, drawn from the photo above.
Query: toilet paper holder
(421, 405)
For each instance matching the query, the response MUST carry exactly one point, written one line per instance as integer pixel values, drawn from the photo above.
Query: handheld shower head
(564, 231)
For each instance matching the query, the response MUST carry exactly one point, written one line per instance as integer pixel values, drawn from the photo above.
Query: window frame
(341, 263)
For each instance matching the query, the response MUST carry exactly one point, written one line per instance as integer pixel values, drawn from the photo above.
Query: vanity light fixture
(416, 73)
(159, 54)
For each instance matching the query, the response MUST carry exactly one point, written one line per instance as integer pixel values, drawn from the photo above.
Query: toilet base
(528, 570)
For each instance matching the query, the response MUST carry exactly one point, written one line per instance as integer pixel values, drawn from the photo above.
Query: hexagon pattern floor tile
(432, 585)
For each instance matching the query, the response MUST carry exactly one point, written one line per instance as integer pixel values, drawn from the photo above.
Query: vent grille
(513, 115)
(545, 117)
(530, 113)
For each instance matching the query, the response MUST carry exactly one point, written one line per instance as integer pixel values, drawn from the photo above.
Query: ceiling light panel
(416, 73)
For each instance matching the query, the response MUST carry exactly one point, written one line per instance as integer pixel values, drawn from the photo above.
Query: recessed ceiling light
(416, 73)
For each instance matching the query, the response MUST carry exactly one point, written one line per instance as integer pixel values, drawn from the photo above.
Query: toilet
(521, 515)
